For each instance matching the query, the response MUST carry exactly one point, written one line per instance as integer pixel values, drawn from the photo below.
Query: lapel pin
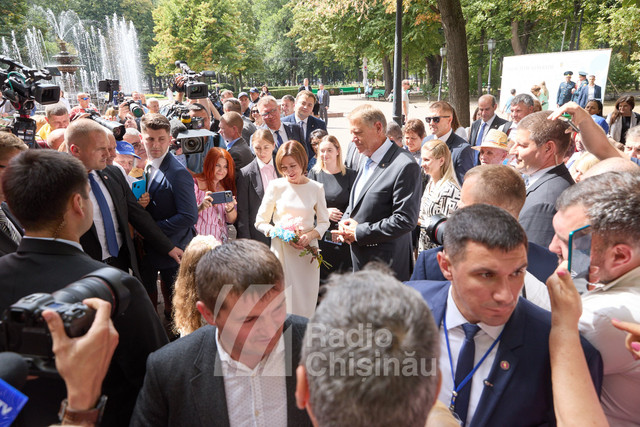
(504, 365)
(487, 383)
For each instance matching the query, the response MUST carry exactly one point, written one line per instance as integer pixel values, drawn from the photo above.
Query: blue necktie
(110, 231)
(480, 134)
(465, 365)
(280, 141)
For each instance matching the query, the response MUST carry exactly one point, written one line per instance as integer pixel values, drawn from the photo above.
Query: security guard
(581, 85)
(566, 89)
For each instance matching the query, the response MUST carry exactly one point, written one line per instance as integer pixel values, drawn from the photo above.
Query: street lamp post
(492, 46)
(443, 53)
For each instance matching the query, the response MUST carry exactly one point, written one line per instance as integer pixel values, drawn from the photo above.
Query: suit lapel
(160, 175)
(207, 385)
(256, 179)
(552, 173)
(380, 168)
(503, 369)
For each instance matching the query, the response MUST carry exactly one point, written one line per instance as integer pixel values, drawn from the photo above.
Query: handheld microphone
(13, 376)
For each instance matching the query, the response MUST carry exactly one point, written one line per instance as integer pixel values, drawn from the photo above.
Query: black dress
(337, 188)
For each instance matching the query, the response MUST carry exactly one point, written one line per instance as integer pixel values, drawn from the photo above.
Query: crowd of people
(272, 247)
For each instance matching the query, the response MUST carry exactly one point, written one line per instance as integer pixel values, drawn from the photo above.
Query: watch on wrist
(90, 416)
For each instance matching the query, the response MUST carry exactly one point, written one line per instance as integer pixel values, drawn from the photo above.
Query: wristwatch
(89, 417)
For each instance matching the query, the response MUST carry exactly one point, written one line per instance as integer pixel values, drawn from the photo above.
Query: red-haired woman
(217, 175)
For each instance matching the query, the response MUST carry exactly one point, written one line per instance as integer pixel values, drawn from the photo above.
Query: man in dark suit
(207, 376)
(539, 149)
(305, 86)
(501, 186)
(231, 130)
(173, 204)
(87, 141)
(55, 212)
(304, 119)
(282, 132)
(439, 120)
(376, 305)
(487, 106)
(482, 318)
(251, 184)
(10, 229)
(324, 98)
(589, 92)
(385, 199)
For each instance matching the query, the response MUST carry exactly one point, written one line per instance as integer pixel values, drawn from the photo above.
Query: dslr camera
(21, 87)
(24, 331)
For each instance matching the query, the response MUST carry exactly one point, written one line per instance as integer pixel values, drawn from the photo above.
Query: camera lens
(435, 228)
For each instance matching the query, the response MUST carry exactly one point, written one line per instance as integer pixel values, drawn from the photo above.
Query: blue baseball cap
(123, 147)
(241, 94)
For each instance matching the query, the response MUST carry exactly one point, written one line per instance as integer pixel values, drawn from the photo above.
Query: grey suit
(324, 105)
(539, 208)
(387, 211)
(250, 194)
(184, 385)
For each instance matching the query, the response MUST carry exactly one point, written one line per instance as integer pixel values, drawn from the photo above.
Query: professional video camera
(189, 133)
(116, 128)
(110, 86)
(435, 228)
(19, 85)
(24, 331)
(192, 88)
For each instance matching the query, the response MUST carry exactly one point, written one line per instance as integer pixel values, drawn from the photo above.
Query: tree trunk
(388, 75)
(515, 38)
(480, 62)
(455, 35)
(433, 69)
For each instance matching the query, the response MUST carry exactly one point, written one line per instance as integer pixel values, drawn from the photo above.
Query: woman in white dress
(443, 191)
(295, 196)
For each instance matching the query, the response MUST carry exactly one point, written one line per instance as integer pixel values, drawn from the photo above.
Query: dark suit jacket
(293, 133)
(301, 88)
(312, 124)
(7, 245)
(250, 194)
(584, 95)
(462, 156)
(475, 128)
(353, 158)
(47, 266)
(539, 208)
(173, 206)
(521, 394)
(387, 211)
(128, 210)
(184, 385)
(241, 154)
(541, 263)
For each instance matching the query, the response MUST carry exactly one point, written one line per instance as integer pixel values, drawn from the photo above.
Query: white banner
(523, 71)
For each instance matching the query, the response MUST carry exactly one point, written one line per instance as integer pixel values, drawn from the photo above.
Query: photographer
(48, 192)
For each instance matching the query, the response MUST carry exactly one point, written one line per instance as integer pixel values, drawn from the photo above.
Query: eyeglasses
(270, 112)
(436, 119)
(254, 111)
(85, 98)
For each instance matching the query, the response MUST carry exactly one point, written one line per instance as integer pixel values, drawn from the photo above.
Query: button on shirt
(483, 339)
(255, 397)
(97, 217)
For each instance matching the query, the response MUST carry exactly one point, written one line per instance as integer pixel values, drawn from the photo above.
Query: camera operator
(84, 105)
(48, 193)
(114, 204)
(10, 229)
(83, 362)
(195, 161)
(57, 117)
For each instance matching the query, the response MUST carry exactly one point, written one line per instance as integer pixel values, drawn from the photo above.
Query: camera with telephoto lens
(116, 128)
(435, 228)
(21, 87)
(135, 109)
(192, 88)
(24, 331)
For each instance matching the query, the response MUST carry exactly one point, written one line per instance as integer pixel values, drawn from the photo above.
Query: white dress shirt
(483, 340)
(376, 158)
(619, 299)
(303, 125)
(98, 221)
(255, 397)
(155, 167)
(531, 179)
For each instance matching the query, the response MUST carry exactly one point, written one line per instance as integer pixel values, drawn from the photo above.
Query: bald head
(81, 132)
(497, 185)
(612, 164)
(55, 139)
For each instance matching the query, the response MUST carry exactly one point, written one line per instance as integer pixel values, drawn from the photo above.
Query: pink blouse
(211, 221)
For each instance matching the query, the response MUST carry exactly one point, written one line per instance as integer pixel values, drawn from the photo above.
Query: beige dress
(301, 274)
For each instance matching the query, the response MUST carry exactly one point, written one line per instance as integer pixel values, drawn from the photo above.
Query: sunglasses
(254, 111)
(84, 99)
(436, 119)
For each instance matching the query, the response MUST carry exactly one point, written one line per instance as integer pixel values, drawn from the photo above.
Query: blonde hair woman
(443, 190)
(186, 317)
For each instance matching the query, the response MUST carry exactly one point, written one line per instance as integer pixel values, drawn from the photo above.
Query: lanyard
(466, 379)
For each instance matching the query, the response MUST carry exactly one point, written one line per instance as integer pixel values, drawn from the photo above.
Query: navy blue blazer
(584, 95)
(173, 206)
(542, 263)
(312, 124)
(521, 394)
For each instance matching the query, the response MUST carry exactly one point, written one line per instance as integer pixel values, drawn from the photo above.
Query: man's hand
(83, 361)
(578, 114)
(566, 305)
(633, 337)
(176, 254)
(144, 200)
(346, 231)
(335, 214)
